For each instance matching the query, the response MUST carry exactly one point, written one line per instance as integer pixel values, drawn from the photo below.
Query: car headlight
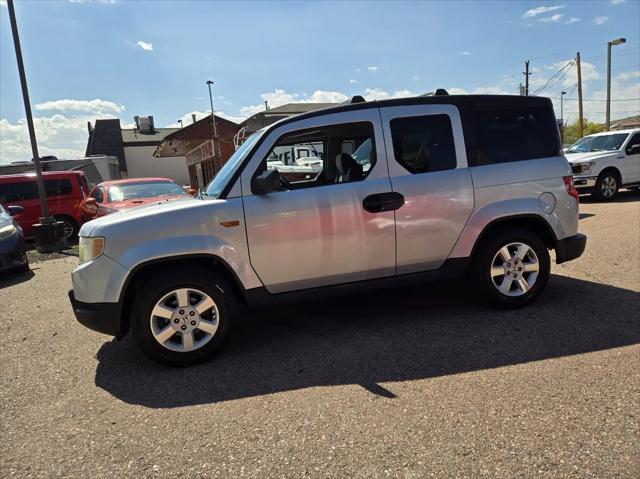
(583, 168)
(90, 248)
(7, 231)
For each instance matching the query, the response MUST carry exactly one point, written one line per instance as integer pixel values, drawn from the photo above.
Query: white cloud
(626, 76)
(3, 3)
(372, 69)
(464, 53)
(280, 97)
(572, 20)
(540, 10)
(601, 20)
(553, 18)
(145, 45)
(353, 82)
(59, 135)
(372, 94)
(482, 90)
(616, 2)
(94, 106)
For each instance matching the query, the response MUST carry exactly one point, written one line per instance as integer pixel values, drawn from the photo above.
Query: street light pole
(48, 231)
(562, 94)
(617, 41)
(216, 150)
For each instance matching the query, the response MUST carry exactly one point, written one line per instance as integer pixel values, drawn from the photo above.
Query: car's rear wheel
(512, 267)
(607, 185)
(182, 319)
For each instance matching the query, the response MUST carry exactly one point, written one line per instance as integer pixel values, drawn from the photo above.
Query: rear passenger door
(631, 161)
(428, 166)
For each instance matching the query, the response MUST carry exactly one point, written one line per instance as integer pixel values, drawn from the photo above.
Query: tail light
(568, 182)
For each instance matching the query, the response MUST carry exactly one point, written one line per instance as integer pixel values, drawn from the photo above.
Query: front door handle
(380, 202)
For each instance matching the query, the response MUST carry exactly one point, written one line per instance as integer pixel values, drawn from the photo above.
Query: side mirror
(91, 204)
(15, 210)
(266, 182)
(633, 149)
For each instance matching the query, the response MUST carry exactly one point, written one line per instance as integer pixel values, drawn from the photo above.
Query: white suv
(407, 190)
(605, 162)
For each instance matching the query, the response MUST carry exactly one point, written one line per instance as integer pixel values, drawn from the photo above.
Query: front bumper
(584, 182)
(570, 248)
(105, 318)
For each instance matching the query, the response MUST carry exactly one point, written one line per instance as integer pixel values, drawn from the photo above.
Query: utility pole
(49, 233)
(526, 78)
(617, 41)
(562, 94)
(216, 150)
(580, 112)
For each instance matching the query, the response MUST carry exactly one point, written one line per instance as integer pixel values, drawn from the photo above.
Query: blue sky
(115, 58)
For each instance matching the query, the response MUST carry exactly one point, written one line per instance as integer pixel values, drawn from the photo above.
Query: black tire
(483, 259)
(603, 178)
(71, 226)
(156, 288)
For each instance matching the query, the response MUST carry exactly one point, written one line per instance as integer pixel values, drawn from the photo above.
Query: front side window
(21, 191)
(98, 195)
(424, 144)
(320, 156)
(599, 143)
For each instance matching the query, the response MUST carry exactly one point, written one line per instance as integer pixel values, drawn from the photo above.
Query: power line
(593, 99)
(556, 77)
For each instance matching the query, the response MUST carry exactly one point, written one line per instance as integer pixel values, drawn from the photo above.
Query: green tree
(571, 131)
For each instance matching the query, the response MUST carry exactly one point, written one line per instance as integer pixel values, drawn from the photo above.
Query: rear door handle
(380, 202)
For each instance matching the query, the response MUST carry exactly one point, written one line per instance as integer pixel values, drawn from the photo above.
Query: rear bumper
(105, 318)
(570, 248)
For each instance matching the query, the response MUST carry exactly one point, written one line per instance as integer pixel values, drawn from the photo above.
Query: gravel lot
(413, 383)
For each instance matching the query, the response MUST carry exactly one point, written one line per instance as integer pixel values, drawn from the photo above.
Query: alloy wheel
(608, 186)
(184, 320)
(514, 269)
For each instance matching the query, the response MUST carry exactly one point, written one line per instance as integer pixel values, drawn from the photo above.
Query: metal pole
(27, 108)
(580, 111)
(216, 150)
(608, 120)
(562, 94)
(526, 78)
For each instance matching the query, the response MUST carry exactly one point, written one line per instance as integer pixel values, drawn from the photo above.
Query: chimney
(193, 117)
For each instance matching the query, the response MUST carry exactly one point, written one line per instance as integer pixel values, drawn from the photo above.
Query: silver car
(443, 186)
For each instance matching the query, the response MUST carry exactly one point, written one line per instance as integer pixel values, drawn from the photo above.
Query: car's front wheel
(182, 319)
(512, 267)
(607, 185)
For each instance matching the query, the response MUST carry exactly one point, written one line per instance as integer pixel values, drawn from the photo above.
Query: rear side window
(424, 144)
(23, 191)
(57, 187)
(516, 134)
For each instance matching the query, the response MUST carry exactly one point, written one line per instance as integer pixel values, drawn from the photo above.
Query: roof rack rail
(356, 99)
(438, 92)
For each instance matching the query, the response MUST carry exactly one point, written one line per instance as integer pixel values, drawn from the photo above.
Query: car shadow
(11, 278)
(623, 196)
(394, 335)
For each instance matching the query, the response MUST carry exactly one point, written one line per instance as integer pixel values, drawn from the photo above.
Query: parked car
(13, 255)
(605, 162)
(452, 187)
(118, 195)
(64, 189)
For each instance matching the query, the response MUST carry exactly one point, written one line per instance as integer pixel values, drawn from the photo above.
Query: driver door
(316, 230)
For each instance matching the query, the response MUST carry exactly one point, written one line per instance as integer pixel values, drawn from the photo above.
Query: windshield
(147, 189)
(599, 143)
(231, 166)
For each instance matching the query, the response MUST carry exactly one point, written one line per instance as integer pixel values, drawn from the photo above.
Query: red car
(117, 195)
(65, 191)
